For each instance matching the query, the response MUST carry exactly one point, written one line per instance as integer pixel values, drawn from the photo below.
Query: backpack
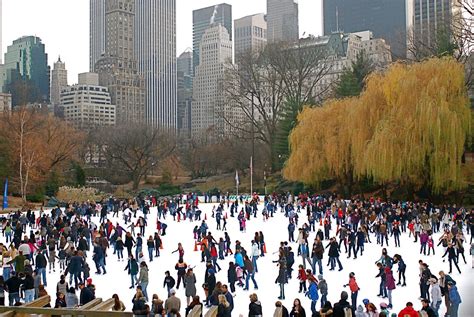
(347, 312)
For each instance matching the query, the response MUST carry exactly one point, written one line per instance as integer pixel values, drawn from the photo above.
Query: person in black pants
(451, 252)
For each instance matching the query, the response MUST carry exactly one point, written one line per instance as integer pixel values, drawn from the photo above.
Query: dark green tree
(352, 81)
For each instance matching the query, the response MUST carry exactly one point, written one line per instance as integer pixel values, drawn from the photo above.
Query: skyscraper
(96, 31)
(208, 105)
(155, 49)
(387, 19)
(282, 20)
(58, 81)
(26, 60)
(185, 92)
(117, 69)
(203, 18)
(250, 33)
(431, 17)
(1, 39)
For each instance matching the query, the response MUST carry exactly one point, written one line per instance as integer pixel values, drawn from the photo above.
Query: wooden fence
(95, 308)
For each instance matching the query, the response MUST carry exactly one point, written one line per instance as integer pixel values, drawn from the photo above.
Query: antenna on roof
(337, 20)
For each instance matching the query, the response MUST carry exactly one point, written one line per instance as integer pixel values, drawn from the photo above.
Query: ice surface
(275, 230)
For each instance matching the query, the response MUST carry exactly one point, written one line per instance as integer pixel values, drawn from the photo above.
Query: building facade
(432, 18)
(342, 49)
(5, 102)
(203, 18)
(96, 31)
(26, 60)
(207, 108)
(387, 19)
(117, 68)
(185, 92)
(58, 81)
(250, 34)
(155, 49)
(282, 20)
(88, 105)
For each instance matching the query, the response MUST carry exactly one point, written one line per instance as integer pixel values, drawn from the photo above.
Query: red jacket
(302, 275)
(408, 312)
(353, 285)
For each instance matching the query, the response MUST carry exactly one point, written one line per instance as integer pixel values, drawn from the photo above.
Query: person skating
(454, 299)
(401, 269)
(255, 307)
(169, 282)
(250, 273)
(190, 285)
(452, 257)
(132, 269)
(312, 294)
(280, 310)
(390, 284)
(297, 310)
(342, 306)
(354, 287)
(143, 279)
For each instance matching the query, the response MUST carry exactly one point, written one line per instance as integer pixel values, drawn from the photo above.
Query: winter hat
(344, 295)
(172, 291)
(365, 301)
(89, 281)
(320, 277)
(433, 280)
(383, 305)
(360, 308)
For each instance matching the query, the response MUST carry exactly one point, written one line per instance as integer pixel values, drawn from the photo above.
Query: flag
(237, 178)
(5, 194)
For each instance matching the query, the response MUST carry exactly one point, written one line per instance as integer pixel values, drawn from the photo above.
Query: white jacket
(255, 250)
(435, 293)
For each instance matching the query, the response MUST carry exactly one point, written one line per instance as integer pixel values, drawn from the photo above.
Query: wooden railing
(95, 308)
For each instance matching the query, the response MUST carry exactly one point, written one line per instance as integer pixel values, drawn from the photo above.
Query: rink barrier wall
(95, 308)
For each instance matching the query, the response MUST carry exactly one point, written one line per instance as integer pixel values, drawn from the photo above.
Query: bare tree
(136, 149)
(262, 85)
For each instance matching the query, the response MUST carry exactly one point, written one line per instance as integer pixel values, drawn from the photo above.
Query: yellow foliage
(410, 125)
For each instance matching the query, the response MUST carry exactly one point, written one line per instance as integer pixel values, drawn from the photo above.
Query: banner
(5, 194)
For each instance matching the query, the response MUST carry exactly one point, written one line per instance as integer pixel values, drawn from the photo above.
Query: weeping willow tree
(420, 137)
(321, 145)
(409, 126)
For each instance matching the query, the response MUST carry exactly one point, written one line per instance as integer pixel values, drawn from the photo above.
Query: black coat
(255, 309)
(86, 295)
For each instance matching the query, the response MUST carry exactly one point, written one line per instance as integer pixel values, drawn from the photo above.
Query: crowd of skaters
(67, 235)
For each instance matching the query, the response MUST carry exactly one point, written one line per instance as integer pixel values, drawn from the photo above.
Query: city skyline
(55, 21)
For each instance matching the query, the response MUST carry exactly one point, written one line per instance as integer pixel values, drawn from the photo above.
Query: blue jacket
(454, 296)
(312, 292)
(239, 260)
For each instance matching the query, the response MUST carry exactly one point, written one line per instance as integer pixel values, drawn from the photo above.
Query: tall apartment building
(87, 105)
(58, 81)
(117, 69)
(208, 106)
(205, 17)
(155, 49)
(185, 92)
(431, 17)
(282, 20)
(5, 102)
(387, 19)
(26, 59)
(250, 34)
(96, 31)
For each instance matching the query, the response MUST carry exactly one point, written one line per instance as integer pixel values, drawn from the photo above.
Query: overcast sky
(63, 25)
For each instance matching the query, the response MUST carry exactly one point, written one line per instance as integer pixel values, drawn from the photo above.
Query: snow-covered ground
(275, 230)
